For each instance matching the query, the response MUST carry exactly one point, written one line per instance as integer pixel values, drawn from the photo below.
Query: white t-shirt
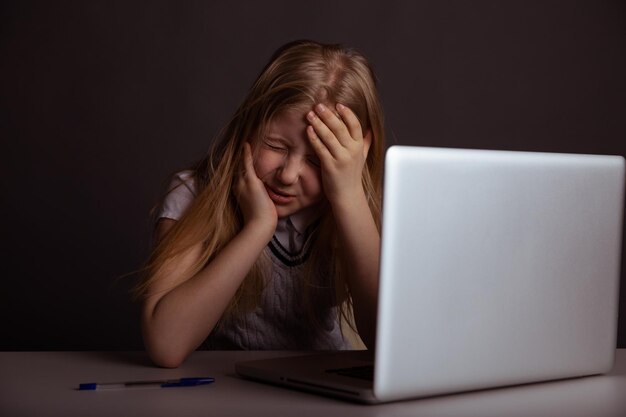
(290, 231)
(279, 322)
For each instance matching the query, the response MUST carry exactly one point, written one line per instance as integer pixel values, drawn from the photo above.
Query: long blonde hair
(298, 75)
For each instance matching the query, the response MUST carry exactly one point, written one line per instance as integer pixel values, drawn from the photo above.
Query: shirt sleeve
(181, 192)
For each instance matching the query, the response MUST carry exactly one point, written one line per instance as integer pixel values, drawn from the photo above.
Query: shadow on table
(136, 358)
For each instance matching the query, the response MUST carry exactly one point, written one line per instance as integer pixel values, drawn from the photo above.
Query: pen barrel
(171, 383)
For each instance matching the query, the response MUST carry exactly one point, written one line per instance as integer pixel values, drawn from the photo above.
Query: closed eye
(313, 161)
(274, 146)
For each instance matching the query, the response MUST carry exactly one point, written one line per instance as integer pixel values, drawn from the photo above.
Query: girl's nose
(289, 171)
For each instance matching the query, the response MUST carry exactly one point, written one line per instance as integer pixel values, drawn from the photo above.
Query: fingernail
(310, 115)
(321, 108)
(340, 106)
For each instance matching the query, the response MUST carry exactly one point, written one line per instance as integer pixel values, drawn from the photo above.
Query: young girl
(274, 236)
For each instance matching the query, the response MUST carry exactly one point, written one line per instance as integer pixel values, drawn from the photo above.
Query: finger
(351, 121)
(248, 164)
(243, 168)
(324, 134)
(319, 147)
(248, 180)
(246, 168)
(333, 123)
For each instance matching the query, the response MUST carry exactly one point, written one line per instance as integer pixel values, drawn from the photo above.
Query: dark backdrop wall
(101, 100)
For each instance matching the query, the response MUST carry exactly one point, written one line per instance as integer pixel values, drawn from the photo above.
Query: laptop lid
(497, 268)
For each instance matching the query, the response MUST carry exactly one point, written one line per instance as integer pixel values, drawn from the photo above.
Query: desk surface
(44, 384)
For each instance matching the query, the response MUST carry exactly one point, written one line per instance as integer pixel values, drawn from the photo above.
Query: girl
(274, 236)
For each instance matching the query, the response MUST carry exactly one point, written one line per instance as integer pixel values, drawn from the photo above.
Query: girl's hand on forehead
(256, 206)
(341, 148)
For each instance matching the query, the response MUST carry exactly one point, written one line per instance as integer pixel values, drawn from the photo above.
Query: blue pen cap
(87, 387)
(196, 381)
(188, 382)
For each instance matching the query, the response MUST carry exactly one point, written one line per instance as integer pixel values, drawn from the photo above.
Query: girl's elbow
(167, 362)
(166, 359)
(162, 354)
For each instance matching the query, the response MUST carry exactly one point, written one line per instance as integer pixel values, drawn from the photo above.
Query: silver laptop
(497, 268)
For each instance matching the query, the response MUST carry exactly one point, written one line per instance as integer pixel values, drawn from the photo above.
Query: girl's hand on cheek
(256, 206)
(341, 149)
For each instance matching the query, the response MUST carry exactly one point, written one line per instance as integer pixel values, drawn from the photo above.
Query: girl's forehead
(290, 129)
(293, 113)
(288, 124)
(296, 115)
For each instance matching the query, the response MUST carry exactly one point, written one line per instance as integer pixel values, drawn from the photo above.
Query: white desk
(44, 384)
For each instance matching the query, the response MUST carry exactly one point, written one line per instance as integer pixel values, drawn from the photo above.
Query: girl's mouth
(279, 197)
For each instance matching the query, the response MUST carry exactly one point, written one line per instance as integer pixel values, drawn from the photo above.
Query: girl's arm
(163, 226)
(342, 150)
(180, 313)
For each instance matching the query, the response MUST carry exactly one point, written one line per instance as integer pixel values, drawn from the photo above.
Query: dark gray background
(100, 101)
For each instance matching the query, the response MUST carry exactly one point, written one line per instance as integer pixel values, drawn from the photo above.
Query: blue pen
(168, 383)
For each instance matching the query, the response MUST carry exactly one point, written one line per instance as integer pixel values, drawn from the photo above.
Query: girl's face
(288, 166)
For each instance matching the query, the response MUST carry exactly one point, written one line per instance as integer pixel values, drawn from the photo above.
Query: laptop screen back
(497, 268)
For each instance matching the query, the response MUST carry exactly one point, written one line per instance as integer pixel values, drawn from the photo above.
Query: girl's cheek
(257, 166)
(266, 162)
(314, 184)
